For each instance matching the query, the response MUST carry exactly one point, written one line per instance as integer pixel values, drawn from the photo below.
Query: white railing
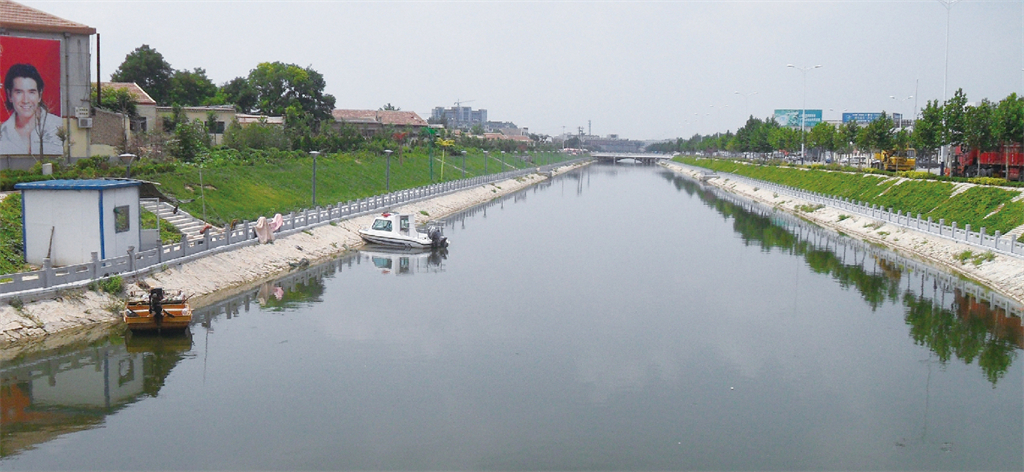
(48, 280)
(995, 242)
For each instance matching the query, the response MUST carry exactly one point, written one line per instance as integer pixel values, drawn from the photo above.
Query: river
(616, 317)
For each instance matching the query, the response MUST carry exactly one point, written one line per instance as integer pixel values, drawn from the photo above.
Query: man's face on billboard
(24, 96)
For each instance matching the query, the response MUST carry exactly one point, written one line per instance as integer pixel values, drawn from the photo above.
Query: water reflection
(405, 261)
(954, 318)
(72, 388)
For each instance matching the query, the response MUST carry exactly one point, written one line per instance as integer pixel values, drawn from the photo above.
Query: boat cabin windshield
(381, 225)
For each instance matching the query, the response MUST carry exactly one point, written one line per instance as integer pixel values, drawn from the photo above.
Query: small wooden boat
(157, 311)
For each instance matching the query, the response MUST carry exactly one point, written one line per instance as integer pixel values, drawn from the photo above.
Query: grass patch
(925, 194)
(168, 233)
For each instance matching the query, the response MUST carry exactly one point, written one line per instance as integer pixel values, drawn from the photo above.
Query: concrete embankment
(221, 274)
(1004, 274)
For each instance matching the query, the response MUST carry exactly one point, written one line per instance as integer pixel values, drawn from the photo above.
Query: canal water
(617, 317)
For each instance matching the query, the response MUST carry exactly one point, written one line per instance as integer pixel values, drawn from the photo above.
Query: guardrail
(995, 242)
(29, 286)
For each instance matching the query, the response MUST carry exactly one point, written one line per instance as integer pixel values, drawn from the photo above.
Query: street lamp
(503, 161)
(463, 164)
(387, 171)
(127, 159)
(803, 112)
(746, 106)
(945, 148)
(902, 100)
(314, 154)
(485, 162)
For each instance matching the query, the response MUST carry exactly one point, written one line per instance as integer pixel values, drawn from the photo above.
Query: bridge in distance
(643, 158)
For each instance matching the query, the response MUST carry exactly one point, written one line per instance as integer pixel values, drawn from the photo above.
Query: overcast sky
(642, 70)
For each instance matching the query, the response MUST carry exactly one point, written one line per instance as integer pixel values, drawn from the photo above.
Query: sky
(638, 69)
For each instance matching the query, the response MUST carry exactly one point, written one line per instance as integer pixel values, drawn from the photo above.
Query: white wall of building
(75, 218)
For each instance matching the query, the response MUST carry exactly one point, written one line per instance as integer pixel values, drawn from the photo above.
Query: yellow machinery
(896, 161)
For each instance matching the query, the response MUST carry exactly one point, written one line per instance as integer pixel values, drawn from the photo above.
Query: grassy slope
(977, 206)
(246, 192)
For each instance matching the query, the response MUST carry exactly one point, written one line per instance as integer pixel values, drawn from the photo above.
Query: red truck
(1006, 162)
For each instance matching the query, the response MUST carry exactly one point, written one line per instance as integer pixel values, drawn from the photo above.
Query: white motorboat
(394, 229)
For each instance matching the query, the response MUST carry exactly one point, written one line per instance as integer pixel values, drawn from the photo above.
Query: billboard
(864, 118)
(792, 118)
(31, 96)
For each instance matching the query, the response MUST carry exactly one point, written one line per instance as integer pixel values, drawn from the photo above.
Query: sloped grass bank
(244, 192)
(978, 206)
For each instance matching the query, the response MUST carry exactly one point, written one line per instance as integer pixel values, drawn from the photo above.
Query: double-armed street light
(746, 105)
(903, 100)
(803, 112)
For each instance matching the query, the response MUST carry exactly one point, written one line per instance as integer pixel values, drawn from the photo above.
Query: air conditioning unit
(85, 122)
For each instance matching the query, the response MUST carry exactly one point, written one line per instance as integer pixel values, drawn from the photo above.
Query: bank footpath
(223, 274)
(1004, 274)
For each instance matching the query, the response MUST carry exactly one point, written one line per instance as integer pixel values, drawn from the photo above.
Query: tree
(289, 90)
(390, 107)
(147, 68)
(822, 137)
(877, 135)
(238, 92)
(978, 122)
(118, 100)
(928, 130)
(190, 140)
(259, 135)
(1008, 120)
(954, 115)
(190, 88)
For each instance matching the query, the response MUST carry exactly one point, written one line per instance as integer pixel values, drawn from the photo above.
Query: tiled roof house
(372, 122)
(18, 17)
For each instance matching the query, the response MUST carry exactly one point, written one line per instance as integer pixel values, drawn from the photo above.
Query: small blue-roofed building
(71, 219)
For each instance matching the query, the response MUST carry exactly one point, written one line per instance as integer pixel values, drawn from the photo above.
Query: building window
(121, 219)
(218, 127)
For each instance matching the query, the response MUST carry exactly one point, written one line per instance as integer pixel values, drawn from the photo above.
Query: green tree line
(986, 126)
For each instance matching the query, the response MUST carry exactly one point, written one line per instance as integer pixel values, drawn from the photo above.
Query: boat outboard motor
(156, 296)
(437, 238)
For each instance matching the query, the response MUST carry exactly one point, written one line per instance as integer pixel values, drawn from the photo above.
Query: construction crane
(459, 118)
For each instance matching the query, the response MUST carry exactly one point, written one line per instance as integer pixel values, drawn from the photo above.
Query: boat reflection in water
(405, 261)
(49, 393)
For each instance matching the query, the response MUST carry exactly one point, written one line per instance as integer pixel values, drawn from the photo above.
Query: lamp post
(945, 148)
(485, 162)
(463, 164)
(127, 159)
(314, 154)
(387, 171)
(803, 111)
(503, 161)
(746, 105)
(901, 100)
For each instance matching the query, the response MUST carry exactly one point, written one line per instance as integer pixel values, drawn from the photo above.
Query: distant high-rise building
(460, 117)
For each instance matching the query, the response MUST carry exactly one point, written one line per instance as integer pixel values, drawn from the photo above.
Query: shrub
(113, 285)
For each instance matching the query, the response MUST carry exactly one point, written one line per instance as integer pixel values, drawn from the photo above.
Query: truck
(896, 161)
(1005, 162)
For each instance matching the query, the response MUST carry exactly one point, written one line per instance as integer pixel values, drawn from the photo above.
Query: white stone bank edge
(230, 268)
(53, 281)
(1004, 275)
